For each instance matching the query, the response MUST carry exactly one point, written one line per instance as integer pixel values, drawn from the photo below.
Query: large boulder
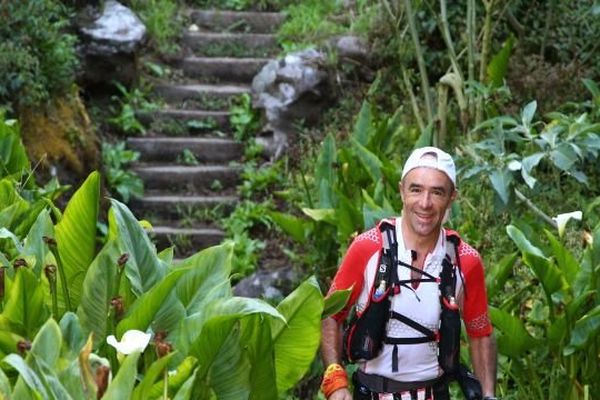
(290, 89)
(110, 45)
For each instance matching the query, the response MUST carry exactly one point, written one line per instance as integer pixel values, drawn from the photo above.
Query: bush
(37, 55)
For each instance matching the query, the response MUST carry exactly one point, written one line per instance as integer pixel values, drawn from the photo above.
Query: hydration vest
(365, 335)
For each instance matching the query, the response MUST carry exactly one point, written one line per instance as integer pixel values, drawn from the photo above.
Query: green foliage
(238, 225)
(129, 102)
(515, 148)
(558, 327)
(160, 19)
(245, 121)
(13, 158)
(248, 348)
(307, 24)
(37, 55)
(115, 159)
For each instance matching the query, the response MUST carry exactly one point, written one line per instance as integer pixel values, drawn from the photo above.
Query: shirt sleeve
(475, 311)
(350, 273)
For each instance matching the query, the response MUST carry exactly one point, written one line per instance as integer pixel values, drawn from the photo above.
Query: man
(412, 370)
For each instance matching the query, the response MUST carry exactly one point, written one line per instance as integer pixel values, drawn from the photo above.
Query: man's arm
(484, 359)
(331, 352)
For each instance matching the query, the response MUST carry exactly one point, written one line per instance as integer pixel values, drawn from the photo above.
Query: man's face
(426, 194)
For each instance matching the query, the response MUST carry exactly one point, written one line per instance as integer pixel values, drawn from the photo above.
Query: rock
(110, 46)
(269, 285)
(352, 47)
(290, 89)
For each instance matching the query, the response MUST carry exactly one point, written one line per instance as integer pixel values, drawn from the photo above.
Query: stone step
(237, 21)
(185, 120)
(215, 44)
(177, 208)
(187, 241)
(219, 96)
(223, 69)
(192, 179)
(204, 150)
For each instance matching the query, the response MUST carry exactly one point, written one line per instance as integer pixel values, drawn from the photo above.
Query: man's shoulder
(465, 250)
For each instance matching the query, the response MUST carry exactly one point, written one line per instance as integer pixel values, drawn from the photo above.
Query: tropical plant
(516, 148)
(555, 322)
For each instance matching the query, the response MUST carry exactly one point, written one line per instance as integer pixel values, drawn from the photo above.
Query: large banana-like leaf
(258, 344)
(5, 387)
(550, 276)
(121, 386)
(224, 367)
(47, 343)
(302, 310)
(143, 269)
(513, 340)
(73, 338)
(97, 291)
(76, 237)
(177, 380)
(335, 302)
(208, 270)
(24, 310)
(142, 311)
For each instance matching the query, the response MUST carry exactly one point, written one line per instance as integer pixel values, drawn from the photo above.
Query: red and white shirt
(416, 362)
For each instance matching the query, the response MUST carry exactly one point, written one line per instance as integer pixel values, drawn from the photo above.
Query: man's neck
(423, 245)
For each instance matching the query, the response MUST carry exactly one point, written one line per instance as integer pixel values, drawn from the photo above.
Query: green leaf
(121, 386)
(34, 243)
(370, 162)
(155, 371)
(496, 69)
(528, 113)
(527, 165)
(325, 167)
(5, 388)
(498, 273)
(224, 366)
(321, 214)
(258, 346)
(25, 307)
(563, 157)
(97, 291)
(552, 278)
(585, 332)
(290, 224)
(27, 374)
(76, 236)
(143, 310)
(13, 157)
(302, 310)
(208, 272)
(335, 302)
(47, 343)
(72, 334)
(501, 181)
(513, 339)
(565, 260)
(522, 242)
(143, 268)
(360, 134)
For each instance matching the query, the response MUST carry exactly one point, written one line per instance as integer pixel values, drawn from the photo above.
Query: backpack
(365, 334)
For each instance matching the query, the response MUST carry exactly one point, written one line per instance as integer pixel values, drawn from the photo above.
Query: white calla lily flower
(562, 219)
(131, 342)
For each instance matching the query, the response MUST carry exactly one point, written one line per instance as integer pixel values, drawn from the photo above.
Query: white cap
(431, 157)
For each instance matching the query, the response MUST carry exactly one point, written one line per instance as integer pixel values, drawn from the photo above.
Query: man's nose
(425, 200)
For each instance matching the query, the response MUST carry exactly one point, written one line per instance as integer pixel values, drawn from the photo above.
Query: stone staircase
(189, 161)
